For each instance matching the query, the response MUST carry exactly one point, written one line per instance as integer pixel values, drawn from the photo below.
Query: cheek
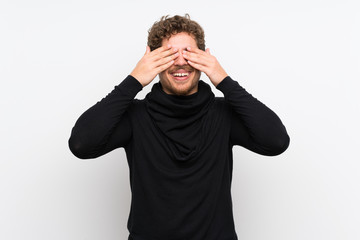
(162, 74)
(164, 77)
(197, 74)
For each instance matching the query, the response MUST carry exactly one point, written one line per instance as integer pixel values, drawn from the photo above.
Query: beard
(187, 68)
(170, 86)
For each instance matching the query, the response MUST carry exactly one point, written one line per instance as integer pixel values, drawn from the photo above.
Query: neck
(180, 105)
(173, 92)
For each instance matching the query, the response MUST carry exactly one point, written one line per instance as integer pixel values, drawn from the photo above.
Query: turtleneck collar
(180, 106)
(179, 117)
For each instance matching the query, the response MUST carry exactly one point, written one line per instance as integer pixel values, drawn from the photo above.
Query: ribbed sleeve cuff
(130, 85)
(227, 85)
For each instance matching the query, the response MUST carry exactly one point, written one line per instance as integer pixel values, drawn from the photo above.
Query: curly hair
(167, 27)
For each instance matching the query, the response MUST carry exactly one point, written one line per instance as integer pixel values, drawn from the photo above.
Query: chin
(180, 85)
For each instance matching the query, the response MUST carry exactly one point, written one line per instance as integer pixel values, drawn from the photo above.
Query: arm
(253, 125)
(106, 126)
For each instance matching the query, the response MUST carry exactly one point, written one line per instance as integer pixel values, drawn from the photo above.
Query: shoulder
(137, 104)
(220, 102)
(221, 106)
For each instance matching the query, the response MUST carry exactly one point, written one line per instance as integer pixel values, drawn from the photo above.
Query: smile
(181, 75)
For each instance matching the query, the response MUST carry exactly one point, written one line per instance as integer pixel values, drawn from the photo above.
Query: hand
(205, 62)
(154, 62)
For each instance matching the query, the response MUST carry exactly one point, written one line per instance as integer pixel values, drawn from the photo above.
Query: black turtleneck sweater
(179, 151)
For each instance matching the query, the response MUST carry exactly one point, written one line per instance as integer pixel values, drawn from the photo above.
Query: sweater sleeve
(253, 125)
(105, 126)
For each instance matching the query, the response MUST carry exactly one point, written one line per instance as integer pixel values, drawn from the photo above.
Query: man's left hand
(205, 62)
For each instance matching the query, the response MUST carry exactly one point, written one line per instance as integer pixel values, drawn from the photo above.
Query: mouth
(181, 75)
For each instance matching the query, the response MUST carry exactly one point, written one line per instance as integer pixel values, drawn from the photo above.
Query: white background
(300, 58)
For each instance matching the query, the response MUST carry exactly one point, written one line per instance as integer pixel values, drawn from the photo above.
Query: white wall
(301, 58)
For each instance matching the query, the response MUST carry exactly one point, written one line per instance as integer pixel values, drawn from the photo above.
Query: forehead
(180, 40)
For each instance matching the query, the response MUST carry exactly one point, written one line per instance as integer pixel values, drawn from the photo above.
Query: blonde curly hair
(167, 27)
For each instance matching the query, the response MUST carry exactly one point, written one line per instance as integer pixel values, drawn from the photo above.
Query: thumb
(208, 51)
(147, 49)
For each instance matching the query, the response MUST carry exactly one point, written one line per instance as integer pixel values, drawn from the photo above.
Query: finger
(208, 51)
(197, 66)
(168, 52)
(161, 49)
(196, 50)
(147, 50)
(167, 59)
(196, 58)
(165, 66)
(196, 53)
(165, 53)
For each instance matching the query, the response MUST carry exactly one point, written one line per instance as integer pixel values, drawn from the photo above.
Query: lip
(181, 79)
(180, 71)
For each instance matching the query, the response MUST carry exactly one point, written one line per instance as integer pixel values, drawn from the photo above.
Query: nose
(180, 60)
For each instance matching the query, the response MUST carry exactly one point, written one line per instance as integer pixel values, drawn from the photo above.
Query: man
(179, 138)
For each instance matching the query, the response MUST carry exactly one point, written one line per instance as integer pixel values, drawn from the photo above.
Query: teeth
(180, 74)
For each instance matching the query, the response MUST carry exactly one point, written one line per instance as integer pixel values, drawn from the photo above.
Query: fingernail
(188, 48)
(169, 46)
(175, 49)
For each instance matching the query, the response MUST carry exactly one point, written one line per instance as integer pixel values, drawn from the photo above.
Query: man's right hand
(153, 63)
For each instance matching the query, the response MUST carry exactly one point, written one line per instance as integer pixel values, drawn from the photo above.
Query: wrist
(134, 75)
(131, 85)
(219, 78)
